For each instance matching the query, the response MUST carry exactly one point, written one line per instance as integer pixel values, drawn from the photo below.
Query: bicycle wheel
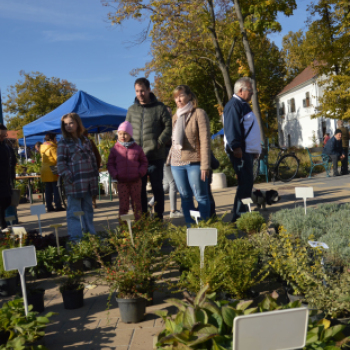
(287, 167)
(61, 191)
(256, 166)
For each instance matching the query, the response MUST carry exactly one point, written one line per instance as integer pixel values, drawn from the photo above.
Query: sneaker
(176, 214)
(60, 209)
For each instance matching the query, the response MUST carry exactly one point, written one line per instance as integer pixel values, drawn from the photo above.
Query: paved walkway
(93, 327)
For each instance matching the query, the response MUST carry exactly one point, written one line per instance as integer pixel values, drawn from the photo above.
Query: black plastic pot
(73, 299)
(132, 310)
(8, 286)
(36, 298)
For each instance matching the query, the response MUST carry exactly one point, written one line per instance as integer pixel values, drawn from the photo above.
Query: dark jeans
(155, 173)
(245, 182)
(51, 193)
(5, 202)
(335, 159)
(211, 198)
(345, 161)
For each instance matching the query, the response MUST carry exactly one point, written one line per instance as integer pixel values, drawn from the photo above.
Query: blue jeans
(245, 180)
(51, 192)
(189, 183)
(73, 222)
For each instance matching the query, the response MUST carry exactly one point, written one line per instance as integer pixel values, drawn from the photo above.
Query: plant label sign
(247, 201)
(304, 192)
(19, 259)
(38, 210)
(316, 244)
(19, 231)
(79, 214)
(56, 226)
(202, 237)
(274, 330)
(128, 218)
(195, 214)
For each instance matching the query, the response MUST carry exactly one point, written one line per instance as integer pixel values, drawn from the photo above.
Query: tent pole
(25, 148)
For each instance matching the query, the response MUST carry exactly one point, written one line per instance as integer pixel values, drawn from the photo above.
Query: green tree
(33, 96)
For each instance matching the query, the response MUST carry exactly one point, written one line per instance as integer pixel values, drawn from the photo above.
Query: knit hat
(337, 132)
(126, 126)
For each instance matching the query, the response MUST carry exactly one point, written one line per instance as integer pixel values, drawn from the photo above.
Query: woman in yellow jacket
(48, 152)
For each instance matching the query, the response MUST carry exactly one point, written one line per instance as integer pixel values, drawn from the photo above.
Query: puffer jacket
(48, 152)
(77, 164)
(127, 164)
(151, 125)
(8, 162)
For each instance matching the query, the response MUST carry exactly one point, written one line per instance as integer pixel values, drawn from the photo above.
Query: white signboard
(19, 259)
(247, 201)
(195, 214)
(274, 330)
(128, 218)
(38, 210)
(57, 237)
(316, 244)
(202, 237)
(304, 192)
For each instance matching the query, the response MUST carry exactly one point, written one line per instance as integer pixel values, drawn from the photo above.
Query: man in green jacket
(151, 124)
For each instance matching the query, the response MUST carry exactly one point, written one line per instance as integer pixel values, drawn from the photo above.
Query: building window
(292, 105)
(306, 101)
(281, 111)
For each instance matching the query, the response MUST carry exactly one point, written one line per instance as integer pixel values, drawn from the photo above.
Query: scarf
(127, 144)
(179, 130)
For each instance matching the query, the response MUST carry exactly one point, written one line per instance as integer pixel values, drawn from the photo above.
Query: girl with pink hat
(127, 164)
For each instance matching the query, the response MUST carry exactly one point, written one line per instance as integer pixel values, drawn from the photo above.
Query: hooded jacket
(48, 152)
(127, 164)
(151, 125)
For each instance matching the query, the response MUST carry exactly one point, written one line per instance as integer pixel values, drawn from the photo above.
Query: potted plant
(18, 330)
(72, 288)
(132, 275)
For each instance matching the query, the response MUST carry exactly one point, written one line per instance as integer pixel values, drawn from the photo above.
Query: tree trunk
(250, 59)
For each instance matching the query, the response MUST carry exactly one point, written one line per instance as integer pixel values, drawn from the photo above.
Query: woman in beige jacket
(190, 153)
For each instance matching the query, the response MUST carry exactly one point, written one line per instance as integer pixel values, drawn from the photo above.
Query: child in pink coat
(127, 164)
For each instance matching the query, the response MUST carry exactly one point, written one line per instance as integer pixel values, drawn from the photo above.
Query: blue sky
(73, 40)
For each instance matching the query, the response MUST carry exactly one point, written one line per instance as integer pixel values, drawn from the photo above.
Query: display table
(30, 178)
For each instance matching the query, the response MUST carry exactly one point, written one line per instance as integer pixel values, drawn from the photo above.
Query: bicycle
(285, 168)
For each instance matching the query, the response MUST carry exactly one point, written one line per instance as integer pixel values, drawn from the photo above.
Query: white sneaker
(176, 214)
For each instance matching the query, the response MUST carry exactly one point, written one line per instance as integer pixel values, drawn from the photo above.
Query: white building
(295, 105)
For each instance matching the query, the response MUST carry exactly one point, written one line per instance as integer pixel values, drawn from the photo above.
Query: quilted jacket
(127, 164)
(151, 125)
(77, 164)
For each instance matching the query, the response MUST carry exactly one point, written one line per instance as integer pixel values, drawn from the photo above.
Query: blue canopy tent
(97, 116)
(219, 133)
(32, 140)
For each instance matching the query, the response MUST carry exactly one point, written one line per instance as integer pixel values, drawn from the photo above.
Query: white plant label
(195, 214)
(247, 201)
(19, 231)
(274, 330)
(128, 218)
(80, 214)
(38, 210)
(57, 237)
(316, 244)
(19, 259)
(304, 192)
(202, 237)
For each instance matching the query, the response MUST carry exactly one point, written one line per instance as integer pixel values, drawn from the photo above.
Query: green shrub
(250, 222)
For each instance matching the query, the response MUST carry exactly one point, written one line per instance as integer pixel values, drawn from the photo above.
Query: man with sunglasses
(242, 141)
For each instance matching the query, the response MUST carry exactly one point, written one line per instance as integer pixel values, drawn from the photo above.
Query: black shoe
(336, 174)
(60, 209)
(50, 210)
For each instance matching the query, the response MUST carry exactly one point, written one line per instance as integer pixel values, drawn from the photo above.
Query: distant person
(77, 164)
(242, 141)
(326, 138)
(169, 185)
(127, 164)
(7, 174)
(345, 144)
(151, 124)
(190, 153)
(335, 150)
(37, 147)
(48, 152)
(98, 160)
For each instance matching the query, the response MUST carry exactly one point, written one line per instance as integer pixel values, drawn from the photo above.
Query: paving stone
(108, 336)
(143, 338)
